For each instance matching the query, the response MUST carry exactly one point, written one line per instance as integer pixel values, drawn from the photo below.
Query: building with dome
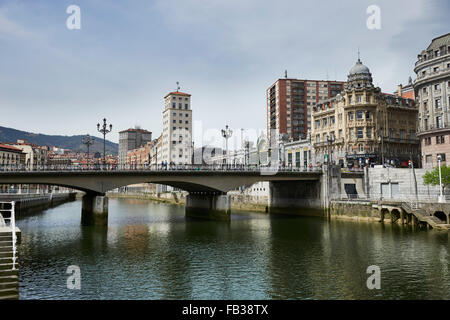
(363, 126)
(432, 91)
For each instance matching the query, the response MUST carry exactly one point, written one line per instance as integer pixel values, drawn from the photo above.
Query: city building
(177, 129)
(432, 91)
(34, 155)
(132, 139)
(297, 154)
(156, 151)
(139, 156)
(289, 103)
(406, 91)
(362, 125)
(11, 156)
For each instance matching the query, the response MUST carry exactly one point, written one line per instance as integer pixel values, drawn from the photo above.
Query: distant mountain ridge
(65, 142)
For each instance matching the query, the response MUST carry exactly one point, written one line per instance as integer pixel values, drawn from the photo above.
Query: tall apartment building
(132, 139)
(289, 103)
(177, 129)
(432, 91)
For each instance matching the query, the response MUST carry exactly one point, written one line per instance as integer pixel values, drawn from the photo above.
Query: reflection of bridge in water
(290, 188)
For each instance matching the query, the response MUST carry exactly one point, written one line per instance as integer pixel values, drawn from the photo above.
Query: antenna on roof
(358, 55)
(178, 86)
(285, 74)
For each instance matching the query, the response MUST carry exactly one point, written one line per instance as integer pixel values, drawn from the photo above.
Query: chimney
(399, 90)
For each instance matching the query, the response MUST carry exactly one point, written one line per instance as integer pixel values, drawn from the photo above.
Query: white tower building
(177, 129)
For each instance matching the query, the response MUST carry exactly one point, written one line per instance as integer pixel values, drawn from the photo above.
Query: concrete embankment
(354, 210)
(238, 202)
(30, 202)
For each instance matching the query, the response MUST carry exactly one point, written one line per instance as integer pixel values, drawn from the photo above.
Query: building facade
(363, 126)
(34, 155)
(132, 139)
(177, 129)
(289, 103)
(406, 91)
(11, 156)
(432, 90)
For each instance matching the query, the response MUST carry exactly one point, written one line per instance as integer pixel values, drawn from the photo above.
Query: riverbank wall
(238, 202)
(26, 203)
(354, 210)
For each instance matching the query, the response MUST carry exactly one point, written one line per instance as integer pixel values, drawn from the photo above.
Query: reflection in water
(151, 251)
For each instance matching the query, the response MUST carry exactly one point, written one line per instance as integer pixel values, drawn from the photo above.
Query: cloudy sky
(129, 54)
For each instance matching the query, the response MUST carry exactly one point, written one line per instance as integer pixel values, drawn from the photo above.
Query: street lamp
(330, 141)
(441, 197)
(226, 133)
(382, 147)
(88, 141)
(104, 130)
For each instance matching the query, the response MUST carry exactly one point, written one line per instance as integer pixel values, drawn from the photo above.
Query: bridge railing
(179, 167)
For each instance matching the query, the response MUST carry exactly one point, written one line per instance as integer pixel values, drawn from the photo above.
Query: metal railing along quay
(9, 219)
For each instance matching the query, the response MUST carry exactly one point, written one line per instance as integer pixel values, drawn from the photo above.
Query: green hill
(66, 142)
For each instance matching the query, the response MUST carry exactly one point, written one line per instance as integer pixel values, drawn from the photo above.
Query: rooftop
(135, 130)
(440, 41)
(10, 148)
(179, 93)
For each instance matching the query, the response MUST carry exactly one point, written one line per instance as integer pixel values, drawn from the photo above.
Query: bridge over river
(291, 189)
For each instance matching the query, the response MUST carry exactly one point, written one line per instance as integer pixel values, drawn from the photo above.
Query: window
(349, 99)
(350, 116)
(369, 133)
(352, 131)
(442, 156)
(425, 105)
(325, 121)
(439, 122)
(174, 121)
(360, 132)
(358, 98)
(359, 115)
(437, 86)
(437, 103)
(368, 115)
(424, 90)
(179, 106)
(317, 138)
(436, 69)
(391, 133)
(173, 105)
(402, 134)
(332, 120)
(340, 133)
(317, 124)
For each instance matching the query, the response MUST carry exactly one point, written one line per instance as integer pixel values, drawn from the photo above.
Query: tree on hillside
(432, 177)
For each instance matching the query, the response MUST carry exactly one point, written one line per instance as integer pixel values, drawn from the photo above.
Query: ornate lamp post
(330, 141)
(104, 130)
(88, 141)
(226, 133)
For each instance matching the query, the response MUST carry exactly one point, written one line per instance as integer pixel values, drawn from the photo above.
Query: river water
(152, 251)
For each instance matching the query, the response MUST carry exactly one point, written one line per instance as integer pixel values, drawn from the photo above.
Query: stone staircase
(9, 277)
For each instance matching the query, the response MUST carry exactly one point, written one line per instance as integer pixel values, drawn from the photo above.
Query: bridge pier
(94, 210)
(208, 206)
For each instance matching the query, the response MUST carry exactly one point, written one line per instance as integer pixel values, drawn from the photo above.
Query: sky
(127, 55)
